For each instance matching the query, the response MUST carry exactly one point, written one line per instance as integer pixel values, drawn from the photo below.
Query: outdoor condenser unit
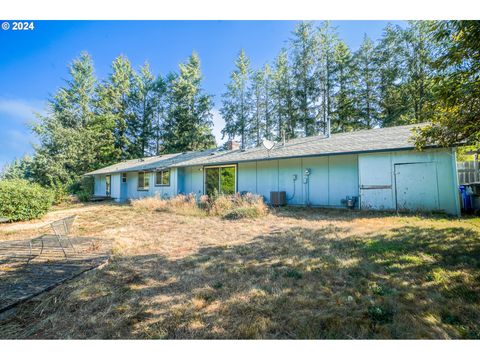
(278, 198)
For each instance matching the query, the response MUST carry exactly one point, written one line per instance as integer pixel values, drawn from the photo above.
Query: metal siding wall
(447, 182)
(379, 167)
(267, 178)
(319, 180)
(247, 177)
(343, 178)
(132, 184)
(193, 180)
(286, 169)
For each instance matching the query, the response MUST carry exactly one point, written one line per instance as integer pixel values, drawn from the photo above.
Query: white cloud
(218, 125)
(20, 109)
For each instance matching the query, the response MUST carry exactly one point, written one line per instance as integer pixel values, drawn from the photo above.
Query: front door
(108, 181)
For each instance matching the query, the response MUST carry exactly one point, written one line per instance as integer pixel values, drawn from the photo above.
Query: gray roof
(150, 163)
(391, 138)
(382, 139)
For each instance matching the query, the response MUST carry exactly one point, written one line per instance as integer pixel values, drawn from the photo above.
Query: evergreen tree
(70, 135)
(284, 115)
(140, 129)
(188, 126)
(261, 125)
(113, 105)
(418, 54)
(390, 73)
(257, 97)
(325, 73)
(366, 97)
(344, 110)
(17, 169)
(268, 102)
(160, 113)
(236, 109)
(305, 50)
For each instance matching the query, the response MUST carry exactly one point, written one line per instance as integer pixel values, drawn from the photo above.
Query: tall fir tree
(236, 108)
(344, 110)
(257, 97)
(188, 126)
(304, 54)
(160, 112)
(366, 96)
(284, 115)
(325, 73)
(140, 128)
(390, 74)
(71, 138)
(418, 57)
(113, 105)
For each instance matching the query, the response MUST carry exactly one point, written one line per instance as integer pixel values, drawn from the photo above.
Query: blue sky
(33, 64)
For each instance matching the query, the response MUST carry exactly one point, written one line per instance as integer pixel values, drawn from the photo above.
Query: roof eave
(307, 155)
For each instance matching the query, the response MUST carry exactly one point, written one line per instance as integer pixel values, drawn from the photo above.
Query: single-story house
(369, 169)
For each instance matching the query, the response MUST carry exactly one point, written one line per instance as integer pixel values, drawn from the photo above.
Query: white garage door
(416, 186)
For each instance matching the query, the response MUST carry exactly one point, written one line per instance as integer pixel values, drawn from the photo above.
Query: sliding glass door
(220, 180)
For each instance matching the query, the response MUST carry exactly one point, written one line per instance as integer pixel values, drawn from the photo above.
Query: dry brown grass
(230, 207)
(294, 273)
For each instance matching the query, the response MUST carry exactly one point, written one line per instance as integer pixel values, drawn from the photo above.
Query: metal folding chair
(62, 229)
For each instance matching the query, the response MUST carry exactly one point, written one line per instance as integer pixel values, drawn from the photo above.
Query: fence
(468, 172)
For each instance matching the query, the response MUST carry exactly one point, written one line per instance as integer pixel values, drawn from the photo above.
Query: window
(143, 180)
(162, 178)
(124, 177)
(220, 180)
(108, 185)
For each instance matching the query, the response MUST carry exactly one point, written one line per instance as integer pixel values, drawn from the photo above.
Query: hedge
(23, 200)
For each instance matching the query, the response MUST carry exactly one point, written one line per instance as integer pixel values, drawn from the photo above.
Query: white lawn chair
(61, 228)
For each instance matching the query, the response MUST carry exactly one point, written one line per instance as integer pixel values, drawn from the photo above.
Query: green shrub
(24, 200)
(84, 195)
(243, 213)
(60, 193)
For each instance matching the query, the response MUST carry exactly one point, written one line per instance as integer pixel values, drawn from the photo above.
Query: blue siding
(332, 179)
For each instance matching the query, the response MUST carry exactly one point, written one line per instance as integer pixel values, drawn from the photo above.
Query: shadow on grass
(302, 283)
(343, 214)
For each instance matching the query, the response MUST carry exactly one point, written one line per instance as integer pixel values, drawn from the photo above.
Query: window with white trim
(162, 178)
(124, 177)
(143, 181)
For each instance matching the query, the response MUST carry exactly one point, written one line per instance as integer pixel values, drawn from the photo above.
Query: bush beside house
(230, 207)
(23, 200)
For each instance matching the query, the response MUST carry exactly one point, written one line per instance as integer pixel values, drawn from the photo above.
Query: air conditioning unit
(278, 198)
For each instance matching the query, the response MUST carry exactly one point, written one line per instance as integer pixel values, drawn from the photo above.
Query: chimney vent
(232, 145)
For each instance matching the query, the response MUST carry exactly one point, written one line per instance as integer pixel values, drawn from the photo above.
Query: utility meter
(294, 177)
(307, 172)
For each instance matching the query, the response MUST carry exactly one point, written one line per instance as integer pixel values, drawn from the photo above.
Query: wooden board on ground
(23, 276)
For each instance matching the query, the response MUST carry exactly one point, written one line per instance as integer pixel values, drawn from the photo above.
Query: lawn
(295, 273)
